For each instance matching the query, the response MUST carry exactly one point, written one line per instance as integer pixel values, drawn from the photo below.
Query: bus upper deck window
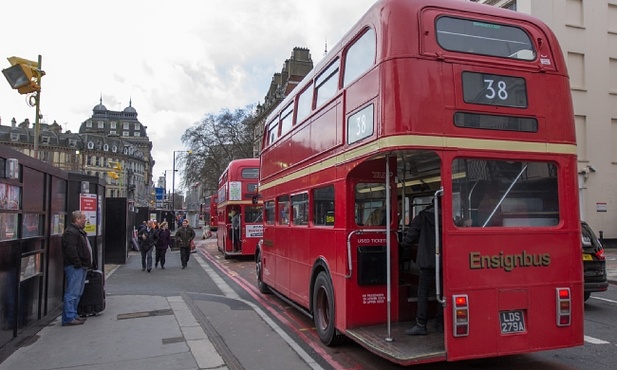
(484, 38)
(360, 56)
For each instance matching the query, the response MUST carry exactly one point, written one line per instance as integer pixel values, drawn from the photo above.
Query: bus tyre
(587, 295)
(323, 310)
(263, 287)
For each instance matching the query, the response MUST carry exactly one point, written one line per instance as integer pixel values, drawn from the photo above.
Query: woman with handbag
(161, 246)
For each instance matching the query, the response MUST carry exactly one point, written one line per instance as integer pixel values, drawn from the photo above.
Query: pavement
(167, 319)
(210, 329)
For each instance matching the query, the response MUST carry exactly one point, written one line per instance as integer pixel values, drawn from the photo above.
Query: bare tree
(215, 141)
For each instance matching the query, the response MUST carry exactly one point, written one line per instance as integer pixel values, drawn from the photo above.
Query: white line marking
(593, 340)
(604, 299)
(230, 293)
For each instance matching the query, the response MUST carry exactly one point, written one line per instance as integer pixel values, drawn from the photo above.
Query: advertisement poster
(88, 205)
(254, 231)
(235, 190)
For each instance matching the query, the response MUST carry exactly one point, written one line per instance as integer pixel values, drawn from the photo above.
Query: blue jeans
(74, 288)
(146, 256)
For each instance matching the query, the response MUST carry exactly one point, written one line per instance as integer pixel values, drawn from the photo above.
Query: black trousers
(159, 256)
(185, 253)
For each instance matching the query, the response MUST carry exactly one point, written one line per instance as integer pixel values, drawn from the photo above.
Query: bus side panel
(300, 268)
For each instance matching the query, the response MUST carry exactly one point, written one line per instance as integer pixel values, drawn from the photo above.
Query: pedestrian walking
(162, 244)
(184, 236)
(77, 257)
(148, 238)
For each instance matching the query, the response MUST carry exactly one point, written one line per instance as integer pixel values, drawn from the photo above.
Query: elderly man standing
(77, 256)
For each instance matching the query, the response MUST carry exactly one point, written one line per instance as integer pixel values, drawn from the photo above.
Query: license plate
(512, 321)
(587, 257)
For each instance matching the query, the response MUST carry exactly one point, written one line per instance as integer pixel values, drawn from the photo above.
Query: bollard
(602, 237)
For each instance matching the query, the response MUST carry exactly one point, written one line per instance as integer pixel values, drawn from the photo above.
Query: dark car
(594, 262)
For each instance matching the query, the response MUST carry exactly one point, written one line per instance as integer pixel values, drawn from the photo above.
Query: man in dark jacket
(422, 231)
(148, 237)
(77, 257)
(184, 236)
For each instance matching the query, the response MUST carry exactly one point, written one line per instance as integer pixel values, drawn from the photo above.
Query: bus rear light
(461, 315)
(564, 307)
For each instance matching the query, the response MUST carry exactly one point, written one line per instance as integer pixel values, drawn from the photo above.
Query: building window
(101, 124)
(125, 125)
(136, 127)
(125, 133)
(136, 133)
(113, 132)
(14, 136)
(88, 123)
(106, 147)
(45, 140)
(112, 124)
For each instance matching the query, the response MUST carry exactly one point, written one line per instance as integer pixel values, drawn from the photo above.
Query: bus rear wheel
(323, 310)
(263, 287)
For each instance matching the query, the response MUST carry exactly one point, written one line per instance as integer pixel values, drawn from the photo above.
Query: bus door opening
(418, 177)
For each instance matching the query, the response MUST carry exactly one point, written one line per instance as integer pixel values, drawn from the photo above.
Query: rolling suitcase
(93, 300)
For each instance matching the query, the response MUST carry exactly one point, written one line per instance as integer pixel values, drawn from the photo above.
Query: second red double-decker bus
(209, 210)
(240, 223)
(463, 106)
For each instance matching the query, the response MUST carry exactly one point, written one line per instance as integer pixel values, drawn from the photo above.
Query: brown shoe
(74, 322)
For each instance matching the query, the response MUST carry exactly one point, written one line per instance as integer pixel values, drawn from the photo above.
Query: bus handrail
(438, 297)
(359, 232)
(505, 195)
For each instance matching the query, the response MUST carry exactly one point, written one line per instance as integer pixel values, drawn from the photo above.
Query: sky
(176, 61)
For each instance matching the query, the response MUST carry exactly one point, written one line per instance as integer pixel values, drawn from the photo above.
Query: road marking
(593, 340)
(230, 293)
(604, 299)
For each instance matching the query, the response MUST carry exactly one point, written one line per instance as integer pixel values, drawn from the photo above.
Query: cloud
(175, 60)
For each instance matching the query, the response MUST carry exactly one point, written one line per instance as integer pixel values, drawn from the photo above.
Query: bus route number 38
(512, 321)
(360, 124)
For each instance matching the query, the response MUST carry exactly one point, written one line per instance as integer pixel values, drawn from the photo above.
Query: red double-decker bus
(240, 223)
(463, 106)
(209, 210)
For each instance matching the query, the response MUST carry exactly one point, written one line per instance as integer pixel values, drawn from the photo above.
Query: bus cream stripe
(420, 141)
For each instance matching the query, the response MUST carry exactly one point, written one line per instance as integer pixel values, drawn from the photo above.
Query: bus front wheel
(263, 287)
(323, 310)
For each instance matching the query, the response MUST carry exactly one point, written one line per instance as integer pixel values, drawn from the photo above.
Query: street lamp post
(173, 180)
(166, 189)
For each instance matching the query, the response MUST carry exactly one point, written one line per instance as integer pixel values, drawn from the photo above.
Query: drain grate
(173, 340)
(136, 315)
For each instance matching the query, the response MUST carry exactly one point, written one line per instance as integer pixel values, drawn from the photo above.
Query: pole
(173, 189)
(37, 126)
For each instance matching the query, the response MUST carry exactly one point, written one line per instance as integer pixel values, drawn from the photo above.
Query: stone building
(294, 70)
(587, 33)
(111, 145)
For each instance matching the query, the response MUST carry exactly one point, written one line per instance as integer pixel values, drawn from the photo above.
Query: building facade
(294, 70)
(111, 145)
(587, 32)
